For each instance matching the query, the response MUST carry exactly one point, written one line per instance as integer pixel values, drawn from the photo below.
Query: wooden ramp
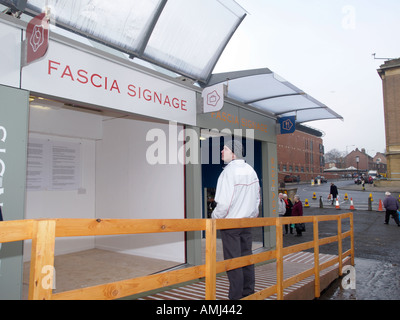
(265, 277)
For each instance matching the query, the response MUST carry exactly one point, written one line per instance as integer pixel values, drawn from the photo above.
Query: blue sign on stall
(287, 124)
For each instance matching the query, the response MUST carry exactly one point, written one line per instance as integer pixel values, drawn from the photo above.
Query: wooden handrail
(43, 233)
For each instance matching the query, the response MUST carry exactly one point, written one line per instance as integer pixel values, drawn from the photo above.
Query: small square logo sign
(288, 124)
(213, 98)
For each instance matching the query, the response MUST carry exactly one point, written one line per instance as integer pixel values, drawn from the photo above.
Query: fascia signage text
(245, 123)
(98, 81)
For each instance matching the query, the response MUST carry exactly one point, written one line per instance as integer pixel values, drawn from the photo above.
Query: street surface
(360, 198)
(377, 254)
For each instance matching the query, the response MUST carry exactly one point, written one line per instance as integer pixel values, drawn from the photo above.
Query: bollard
(321, 204)
(370, 204)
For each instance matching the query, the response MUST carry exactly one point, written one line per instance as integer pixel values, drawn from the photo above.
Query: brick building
(390, 75)
(300, 153)
(359, 159)
(379, 163)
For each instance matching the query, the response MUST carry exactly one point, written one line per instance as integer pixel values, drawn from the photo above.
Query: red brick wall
(300, 153)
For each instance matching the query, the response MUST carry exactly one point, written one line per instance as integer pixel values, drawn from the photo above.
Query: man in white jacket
(237, 196)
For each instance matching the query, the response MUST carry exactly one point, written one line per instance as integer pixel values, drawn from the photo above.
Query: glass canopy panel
(257, 87)
(121, 23)
(285, 104)
(268, 92)
(313, 114)
(191, 35)
(186, 37)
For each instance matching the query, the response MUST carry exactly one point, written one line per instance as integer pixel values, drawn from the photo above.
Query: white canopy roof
(270, 93)
(186, 37)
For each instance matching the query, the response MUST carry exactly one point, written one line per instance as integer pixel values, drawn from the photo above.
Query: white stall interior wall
(69, 126)
(116, 182)
(129, 187)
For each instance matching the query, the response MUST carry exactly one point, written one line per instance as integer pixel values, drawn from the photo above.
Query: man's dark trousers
(394, 214)
(238, 243)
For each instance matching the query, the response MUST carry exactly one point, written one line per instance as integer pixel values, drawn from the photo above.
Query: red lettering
(183, 104)
(147, 96)
(158, 97)
(82, 76)
(51, 66)
(97, 76)
(132, 88)
(175, 103)
(67, 72)
(115, 86)
(167, 101)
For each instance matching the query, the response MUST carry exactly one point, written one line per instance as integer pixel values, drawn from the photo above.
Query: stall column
(193, 186)
(14, 111)
(270, 190)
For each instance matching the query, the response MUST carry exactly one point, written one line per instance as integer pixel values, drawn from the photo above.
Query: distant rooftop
(391, 63)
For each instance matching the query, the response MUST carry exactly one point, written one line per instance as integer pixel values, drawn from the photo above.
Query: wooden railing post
(352, 238)
(279, 259)
(339, 232)
(211, 259)
(316, 257)
(42, 260)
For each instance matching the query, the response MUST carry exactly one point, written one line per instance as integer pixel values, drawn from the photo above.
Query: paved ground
(377, 255)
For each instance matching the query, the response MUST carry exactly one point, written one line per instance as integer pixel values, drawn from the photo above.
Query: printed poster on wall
(53, 165)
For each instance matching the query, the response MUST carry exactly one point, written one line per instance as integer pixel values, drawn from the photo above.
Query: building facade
(379, 163)
(359, 159)
(300, 153)
(390, 75)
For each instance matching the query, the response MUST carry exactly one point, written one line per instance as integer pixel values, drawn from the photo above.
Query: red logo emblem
(213, 98)
(37, 38)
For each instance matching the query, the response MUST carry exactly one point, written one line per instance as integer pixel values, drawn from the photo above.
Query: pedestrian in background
(281, 205)
(297, 211)
(334, 192)
(391, 205)
(237, 196)
(288, 212)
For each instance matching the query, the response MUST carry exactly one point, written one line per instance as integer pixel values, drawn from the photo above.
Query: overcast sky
(324, 47)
